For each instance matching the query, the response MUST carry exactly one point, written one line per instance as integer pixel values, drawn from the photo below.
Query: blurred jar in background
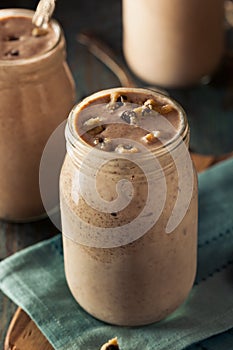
(36, 93)
(173, 43)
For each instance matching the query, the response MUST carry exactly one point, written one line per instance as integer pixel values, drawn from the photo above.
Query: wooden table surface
(104, 18)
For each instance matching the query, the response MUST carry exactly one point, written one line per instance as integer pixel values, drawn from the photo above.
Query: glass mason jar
(134, 265)
(37, 93)
(173, 43)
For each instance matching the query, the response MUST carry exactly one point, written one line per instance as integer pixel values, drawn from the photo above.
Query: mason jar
(129, 220)
(173, 43)
(37, 93)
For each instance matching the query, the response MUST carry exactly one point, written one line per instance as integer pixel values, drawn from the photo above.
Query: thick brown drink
(125, 263)
(37, 91)
(173, 43)
(20, 38)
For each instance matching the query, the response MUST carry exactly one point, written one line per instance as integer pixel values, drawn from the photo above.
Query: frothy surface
(20, 40)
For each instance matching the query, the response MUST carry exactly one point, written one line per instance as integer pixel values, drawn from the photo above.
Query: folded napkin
(34, 279)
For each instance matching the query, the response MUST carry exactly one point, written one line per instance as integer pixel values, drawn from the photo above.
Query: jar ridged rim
(75, 140)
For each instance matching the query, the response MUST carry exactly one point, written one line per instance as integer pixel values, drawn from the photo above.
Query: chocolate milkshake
(37, 91)
(173, 43)
(129, 206)
(20, 38)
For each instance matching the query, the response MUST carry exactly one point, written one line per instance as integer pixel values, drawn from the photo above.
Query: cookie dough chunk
(112, 344)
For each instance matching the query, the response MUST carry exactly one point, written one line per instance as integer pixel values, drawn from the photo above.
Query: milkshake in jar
(173, 43)
(37, 91)
(128, 195)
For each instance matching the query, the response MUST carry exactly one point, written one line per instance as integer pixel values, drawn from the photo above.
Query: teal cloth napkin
(34, 279)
